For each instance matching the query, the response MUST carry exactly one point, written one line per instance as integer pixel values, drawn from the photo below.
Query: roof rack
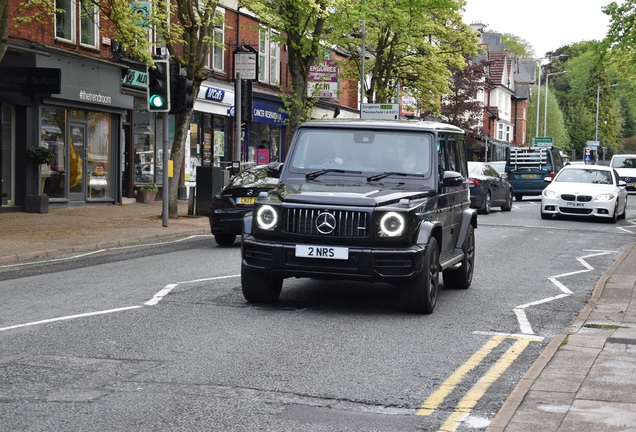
(526, 156)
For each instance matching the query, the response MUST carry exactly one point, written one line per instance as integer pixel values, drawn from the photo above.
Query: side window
(441, 156)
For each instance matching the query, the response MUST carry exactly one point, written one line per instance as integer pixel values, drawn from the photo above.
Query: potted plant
(148, 193)
(39, 156)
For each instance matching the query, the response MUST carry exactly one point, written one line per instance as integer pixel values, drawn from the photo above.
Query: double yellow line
(470, 399)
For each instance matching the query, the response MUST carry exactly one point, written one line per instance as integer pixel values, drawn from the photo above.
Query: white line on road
(166, 290)
(153, 301)
(69, 317)
(524, 323)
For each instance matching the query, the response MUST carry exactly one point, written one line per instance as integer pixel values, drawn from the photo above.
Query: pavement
(585, 379)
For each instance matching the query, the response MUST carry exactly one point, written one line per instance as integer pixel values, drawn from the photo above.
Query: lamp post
(545, 112)
(549, 58)
(598, 95)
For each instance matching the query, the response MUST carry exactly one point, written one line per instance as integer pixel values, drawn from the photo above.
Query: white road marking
(152, 302)
(70, 317)
(166, 290)
(524, 323)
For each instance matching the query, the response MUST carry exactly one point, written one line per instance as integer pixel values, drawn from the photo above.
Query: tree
(4, 27)
(517, 45)
(621, 35)
(303, 26)
(410, 43)
(556, 127)
(459, 107)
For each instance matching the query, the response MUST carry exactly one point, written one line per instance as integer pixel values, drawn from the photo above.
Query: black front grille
(572, 210)
(579, 198)
(347, 223)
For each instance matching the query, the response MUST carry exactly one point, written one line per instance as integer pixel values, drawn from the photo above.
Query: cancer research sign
(323, 80)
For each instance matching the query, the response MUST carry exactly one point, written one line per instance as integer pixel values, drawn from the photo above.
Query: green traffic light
(157, 101)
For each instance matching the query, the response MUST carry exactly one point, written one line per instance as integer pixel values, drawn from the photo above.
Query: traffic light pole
(237, 116)
(164, 190)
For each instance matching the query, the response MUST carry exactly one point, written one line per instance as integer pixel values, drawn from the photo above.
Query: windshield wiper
(386, 174)
(313, 175)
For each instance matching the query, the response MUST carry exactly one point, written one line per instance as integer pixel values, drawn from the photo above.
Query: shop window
(98, 154)
(65, 19)
(89, 20)
(53, 178)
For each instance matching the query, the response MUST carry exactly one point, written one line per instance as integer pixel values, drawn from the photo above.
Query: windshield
(366, 152)
(584, 176)
(624, 162)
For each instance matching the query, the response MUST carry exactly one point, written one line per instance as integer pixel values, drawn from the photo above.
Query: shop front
(265, 141)
(80, 124)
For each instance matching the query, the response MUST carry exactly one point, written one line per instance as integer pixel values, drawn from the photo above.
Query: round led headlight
(392, 224)
(266, 217)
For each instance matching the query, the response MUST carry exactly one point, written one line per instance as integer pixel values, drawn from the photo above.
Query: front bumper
(558, 206)
(368, 264)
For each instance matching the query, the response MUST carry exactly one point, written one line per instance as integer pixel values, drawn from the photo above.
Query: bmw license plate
(328, 252)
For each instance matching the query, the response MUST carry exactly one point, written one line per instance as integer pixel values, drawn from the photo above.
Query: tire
(258, 288)
(485, 209)
(546, 215)
(518, 197)
(462, 277)
(224, 239)
(420, 295)
(624, 214)
(508, 206)
(614, 217)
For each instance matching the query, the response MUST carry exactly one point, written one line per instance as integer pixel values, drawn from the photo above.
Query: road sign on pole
(543, 141)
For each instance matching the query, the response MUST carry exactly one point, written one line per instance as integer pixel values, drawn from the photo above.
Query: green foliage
(303, 26)
(621, 35)
(413, 43)
(149, 188)
(41, 155)
(517, 45)
(556, 127)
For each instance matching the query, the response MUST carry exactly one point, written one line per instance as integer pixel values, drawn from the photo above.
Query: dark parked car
(488, 188)
(235, 200)
(348, 208)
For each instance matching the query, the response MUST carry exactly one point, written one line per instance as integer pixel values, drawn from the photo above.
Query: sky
(546, 24)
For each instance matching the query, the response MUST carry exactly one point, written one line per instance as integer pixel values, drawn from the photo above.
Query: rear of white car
(589, 191)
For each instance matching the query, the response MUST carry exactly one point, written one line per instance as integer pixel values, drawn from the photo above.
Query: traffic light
(159, 87)
(182, 89)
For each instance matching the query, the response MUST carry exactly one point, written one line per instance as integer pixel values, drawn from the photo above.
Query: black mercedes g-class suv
(347, 207)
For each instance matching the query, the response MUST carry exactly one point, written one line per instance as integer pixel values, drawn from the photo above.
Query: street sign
(593, 143)
(543, 141)
(386, 111)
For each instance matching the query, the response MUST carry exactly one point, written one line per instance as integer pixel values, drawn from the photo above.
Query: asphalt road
(160, 338)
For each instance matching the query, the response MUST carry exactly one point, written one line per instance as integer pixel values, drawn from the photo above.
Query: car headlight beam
(392, 224)
(266, 217)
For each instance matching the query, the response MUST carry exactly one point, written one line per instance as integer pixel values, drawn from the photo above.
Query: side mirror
(452, 178)
(548, 179)
(622, 183)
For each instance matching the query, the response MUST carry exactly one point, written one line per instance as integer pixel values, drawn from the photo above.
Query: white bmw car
(588, 191)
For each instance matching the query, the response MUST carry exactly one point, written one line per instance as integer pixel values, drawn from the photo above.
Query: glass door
(77, 162)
